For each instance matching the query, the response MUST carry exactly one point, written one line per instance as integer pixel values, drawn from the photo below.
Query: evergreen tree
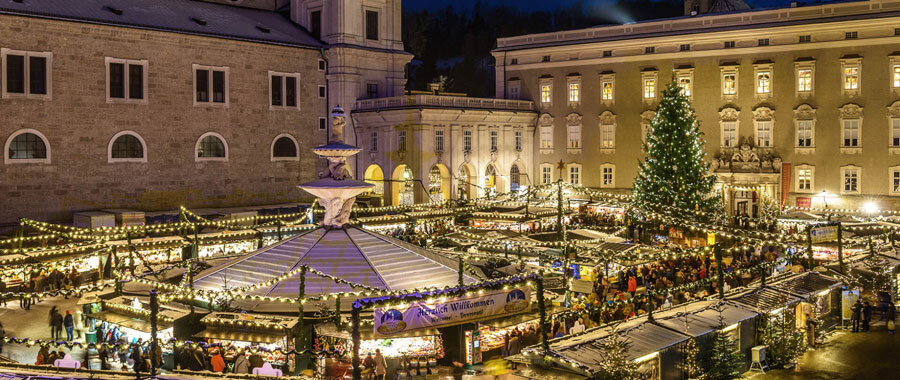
(691, 363)
(724, 361)
(615, 364)
(674, 171)
(784, 342)
(876, 275)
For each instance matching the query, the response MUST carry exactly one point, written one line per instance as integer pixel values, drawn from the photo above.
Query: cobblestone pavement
(872, 355)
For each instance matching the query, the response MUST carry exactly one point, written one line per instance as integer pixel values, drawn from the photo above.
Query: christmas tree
(691, 362)
(784, 343)
(615, 364)
(724, 361)
(674, 172)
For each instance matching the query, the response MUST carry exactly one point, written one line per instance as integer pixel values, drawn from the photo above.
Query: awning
(806, 284)
(367, 333)
(513, 320)
(241, 336)
(764, 300)
(533, 372)
(700, 318)
(128, 321)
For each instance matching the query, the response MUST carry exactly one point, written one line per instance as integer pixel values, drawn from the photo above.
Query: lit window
(895, 132)
(729, 133)
(763, 82)
(575, 174)
(649, 88)
(574, 132)
(467, 141)
(804, 133)
(546, 174)
(729, 84)
(607, 136)
(851, 180)
(851, 77)
(804, 179)
(896, 76)
(684, 83)
(607, 176)
(607, 90)
(495, 140)
(895, 181)
(545, 93)
(804, 80)
(850, 133)
(764, 133)
(574, 92)
(546, 132)
(439, 140)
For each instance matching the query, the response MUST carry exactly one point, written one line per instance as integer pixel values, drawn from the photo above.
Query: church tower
(698, 7)
(365, 57)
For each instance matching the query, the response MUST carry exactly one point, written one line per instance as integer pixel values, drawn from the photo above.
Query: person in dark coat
(867, 315)
(854, 318)
(69, 323)
(56, 323)
(136, 356)
(256, 361)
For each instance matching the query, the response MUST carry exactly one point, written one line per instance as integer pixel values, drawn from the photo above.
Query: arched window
(284, 148)
(211, 147)
(127, 146)
(514, 178)
(27, 146)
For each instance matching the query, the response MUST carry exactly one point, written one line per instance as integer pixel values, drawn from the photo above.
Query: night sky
(415, 5)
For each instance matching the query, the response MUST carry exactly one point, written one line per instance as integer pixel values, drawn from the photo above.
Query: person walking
(867, 316)
(855, 317)
(2, 293)
(217, 362)
(380, 365)
(69, 323)
(241, 363)
(457, 371)
(56, 324)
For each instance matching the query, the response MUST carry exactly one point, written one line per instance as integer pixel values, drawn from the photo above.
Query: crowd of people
(218, 358)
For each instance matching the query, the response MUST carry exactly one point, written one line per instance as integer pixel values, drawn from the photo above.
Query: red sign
(785, 182)
(804, 202)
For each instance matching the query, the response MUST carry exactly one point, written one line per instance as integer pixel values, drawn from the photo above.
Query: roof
(236, 335)
(351, 254)
(806, 284)
(177, 16)
(584, 349)
(764, 300)
(700, 318)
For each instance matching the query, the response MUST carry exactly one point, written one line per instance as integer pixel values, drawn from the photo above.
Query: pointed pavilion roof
(352, 254)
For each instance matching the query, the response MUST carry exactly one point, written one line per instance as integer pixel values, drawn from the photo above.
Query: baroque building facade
(156, 104)
(798, 105)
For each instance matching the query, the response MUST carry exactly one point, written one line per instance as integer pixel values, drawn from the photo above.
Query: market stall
(227, 243)
(518, 218)
(411, 351)
(764, 300)
(654, 348)
(703, 319)
(269, 335)
(820, 294)
(128, 318)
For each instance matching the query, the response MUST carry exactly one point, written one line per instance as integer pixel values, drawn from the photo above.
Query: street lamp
(870, 208)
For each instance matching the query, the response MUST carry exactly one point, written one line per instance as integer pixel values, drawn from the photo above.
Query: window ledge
(804, 149)
(573, 150)
(851, 150)
(894, 150)
(608, 150)
(546, 151)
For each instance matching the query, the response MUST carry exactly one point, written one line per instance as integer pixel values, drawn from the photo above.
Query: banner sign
(823, 234)
(785, 182)
(452, 311)
(848, 298)
(804, 203)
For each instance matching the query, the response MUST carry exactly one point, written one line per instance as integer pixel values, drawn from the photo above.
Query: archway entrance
(491, 180)
(403, 186)
(465, 188)
(515, 178)
(439, 183)
(375, 176)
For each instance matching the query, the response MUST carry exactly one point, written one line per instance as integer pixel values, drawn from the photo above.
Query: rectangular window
(895, 181)
(547, 136)
(729, 84)
(764, 133)
(218, 86)
(729, 44)
(372, 25)
(315, 23)
(283, 90)
(514, 92)
(323, 91)
(896, 76)
(401, 141)
(851, 180)
(649, 50)
(607, 136)
(574, 175)
(125, 79)
(851, 133)
(574, 92)
(322, 65)
(323, 124)
(495, 141)
(729, 133)
(607, 90)
(467, 141)
(135, 81)
(373, 142)
(684, 47)
(763, 42)
(684, 83)
(851, 35)
(439, 140)
(804, 80)
(805, 38)
(546, 174)
(514, 61)
(210, 85)
(371, 90)
(26, 73)
(545, 58)
(804, 133)
(545, 93)
(574, 132)
(202, 83)
(518, 141)
(649, 88)
(804, 179)
(895, 132)
(763, 82)
(607, 53)
(117, 80)
(608, 179)
(851, 77)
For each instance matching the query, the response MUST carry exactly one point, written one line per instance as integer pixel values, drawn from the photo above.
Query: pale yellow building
(801, 101)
